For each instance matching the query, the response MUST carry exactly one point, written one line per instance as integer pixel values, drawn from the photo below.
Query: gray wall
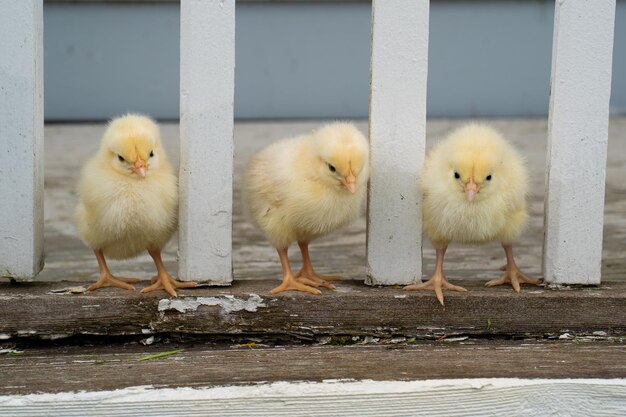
(305, 60)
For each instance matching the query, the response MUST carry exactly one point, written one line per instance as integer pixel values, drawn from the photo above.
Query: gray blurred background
(304, 59)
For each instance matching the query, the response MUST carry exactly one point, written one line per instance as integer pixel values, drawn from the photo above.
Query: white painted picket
(399, 69)
(207, 85)
(21, 138)
(577, 140)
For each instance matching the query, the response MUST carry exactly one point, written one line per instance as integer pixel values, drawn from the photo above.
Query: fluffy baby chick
(129, 201)
(302, 188)
(474, 184)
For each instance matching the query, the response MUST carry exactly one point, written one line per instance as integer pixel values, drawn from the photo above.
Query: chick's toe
(166, 282)
(292, 284)
(512, 273)
(515, 277)
(315, 283)
(108, 280)
(436, 283)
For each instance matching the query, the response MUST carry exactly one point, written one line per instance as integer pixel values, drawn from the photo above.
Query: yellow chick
(475, 185)
(302, 188)
(128, 201)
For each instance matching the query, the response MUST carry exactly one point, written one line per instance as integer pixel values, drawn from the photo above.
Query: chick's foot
(108, 280)
(167, 283)
(292, 284)
(163, 280)
(307, 274)
(436, 283)
(315, 280)
(512, 273)
(515, 277)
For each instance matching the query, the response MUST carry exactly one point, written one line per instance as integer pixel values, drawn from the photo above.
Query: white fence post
(21, 138)
(397, 140)
(207, 71)
(577, 140)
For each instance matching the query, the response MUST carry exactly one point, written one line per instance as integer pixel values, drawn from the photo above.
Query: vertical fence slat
(397, 140)
(207, 63)
(21, 138)
(577, 140)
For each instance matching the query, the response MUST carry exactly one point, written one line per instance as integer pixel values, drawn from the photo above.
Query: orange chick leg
(107, 279)
(163, 280)
(307, 274)
(512, 273)
(290, 283)
(438, 281)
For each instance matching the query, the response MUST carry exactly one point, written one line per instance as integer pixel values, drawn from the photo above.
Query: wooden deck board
(31, 310)
(95, 368)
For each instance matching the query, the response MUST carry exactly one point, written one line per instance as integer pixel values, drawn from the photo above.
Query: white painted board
(444, 397)
(577, 140)
(397, 140)
(21, 138)
(207, 71)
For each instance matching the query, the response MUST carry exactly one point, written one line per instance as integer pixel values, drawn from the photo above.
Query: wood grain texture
(354, 309)
(72, 368)
(453, 398)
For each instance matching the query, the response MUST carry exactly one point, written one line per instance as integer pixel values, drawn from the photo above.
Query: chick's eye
(151, 154)
(120, 158)
(456, 175)
(332, 168)
(488, 178)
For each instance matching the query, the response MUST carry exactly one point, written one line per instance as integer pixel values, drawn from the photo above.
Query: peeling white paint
(148, 341)
(228, 303)
(11, 351)
(55, 336)
(489, 396)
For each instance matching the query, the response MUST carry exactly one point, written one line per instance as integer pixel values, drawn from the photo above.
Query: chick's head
(475, 167)
(343, 153)
(132, 145)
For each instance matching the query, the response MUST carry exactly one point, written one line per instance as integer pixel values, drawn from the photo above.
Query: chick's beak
(350, 182)
(471, 189)
(140, 168)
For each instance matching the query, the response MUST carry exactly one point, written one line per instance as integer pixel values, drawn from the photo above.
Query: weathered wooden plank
(397, 140)
(72, 368)
(452, 397)
(21, 138)
(207, 85)
(577, 140)
(354, 309)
